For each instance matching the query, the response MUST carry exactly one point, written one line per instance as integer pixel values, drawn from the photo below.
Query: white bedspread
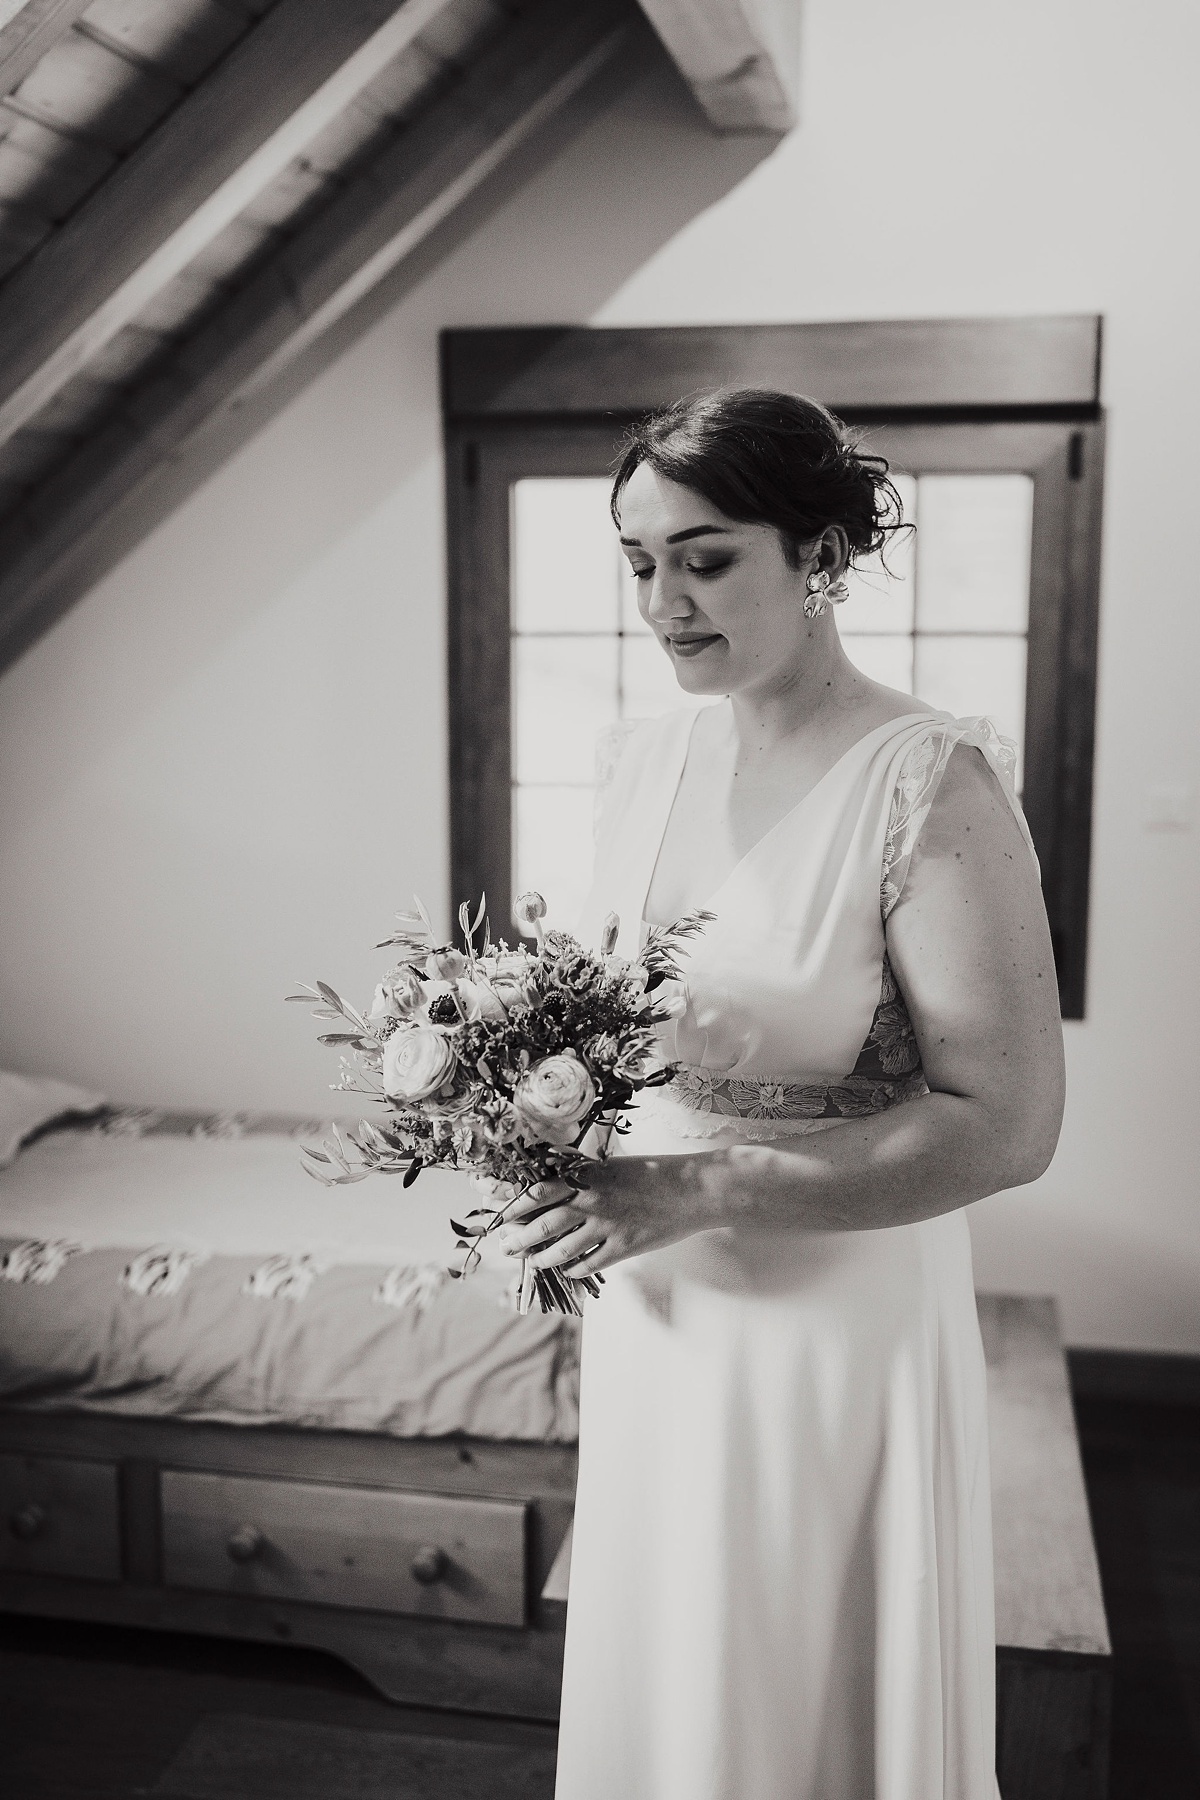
(206, 1276)
(243, 1196)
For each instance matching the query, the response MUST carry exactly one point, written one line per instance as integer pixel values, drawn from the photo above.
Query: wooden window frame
(551, 400)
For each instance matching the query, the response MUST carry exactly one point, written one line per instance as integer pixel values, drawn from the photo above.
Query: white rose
(553, 1098)
(417, 1063)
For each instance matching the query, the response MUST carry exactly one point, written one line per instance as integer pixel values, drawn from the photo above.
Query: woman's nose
(667, 601)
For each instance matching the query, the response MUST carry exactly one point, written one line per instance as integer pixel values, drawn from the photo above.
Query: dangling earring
(823, 593)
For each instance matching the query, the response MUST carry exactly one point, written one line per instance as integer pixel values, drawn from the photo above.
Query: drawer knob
(429, 1564)
(29, 1521)
(244, 1544)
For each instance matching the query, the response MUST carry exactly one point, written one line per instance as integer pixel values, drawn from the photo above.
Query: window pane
(973, 552)
(552, 849)
(970, 675)
(881, 599)
(887, 659)
(648, 684)
(564, 557)
(564, 691)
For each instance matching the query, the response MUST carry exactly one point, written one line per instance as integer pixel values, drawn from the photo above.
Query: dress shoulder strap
(920, 775)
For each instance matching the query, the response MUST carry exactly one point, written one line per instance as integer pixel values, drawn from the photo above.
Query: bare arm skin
(970, 948)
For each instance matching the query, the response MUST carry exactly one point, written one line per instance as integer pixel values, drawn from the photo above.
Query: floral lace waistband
(698, 1103)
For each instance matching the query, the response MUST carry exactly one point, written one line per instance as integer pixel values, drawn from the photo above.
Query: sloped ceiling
(193, 192)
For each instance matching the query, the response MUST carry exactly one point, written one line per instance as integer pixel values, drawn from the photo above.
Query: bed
(233, 1401)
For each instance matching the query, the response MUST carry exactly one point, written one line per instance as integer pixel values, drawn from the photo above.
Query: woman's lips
(693, 646)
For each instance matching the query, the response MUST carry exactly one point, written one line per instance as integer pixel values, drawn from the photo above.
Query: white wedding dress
(781, 1581)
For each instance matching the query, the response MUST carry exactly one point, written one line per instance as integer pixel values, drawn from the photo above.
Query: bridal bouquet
(500, 1061)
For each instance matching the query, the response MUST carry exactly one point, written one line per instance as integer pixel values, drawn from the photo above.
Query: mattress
(184, 1265)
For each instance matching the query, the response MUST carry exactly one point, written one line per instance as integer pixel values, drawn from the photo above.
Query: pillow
(28, 1101)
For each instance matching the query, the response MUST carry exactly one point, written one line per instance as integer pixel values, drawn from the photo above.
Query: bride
(781, 1585)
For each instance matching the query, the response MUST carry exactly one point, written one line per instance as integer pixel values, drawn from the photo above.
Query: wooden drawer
(445, 1557)
(59, 1517)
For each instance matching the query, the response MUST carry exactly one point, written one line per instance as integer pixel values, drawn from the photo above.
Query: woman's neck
(807, 701)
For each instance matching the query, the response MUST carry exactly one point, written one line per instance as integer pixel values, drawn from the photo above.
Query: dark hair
(767, 458)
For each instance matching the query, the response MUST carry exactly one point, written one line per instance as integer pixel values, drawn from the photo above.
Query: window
(990, 609)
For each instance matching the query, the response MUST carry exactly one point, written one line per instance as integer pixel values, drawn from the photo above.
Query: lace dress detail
(919, 779)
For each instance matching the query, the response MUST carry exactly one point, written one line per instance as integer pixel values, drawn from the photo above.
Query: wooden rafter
(380, 220)
(293, 74)
(741, 58)
(28, 30)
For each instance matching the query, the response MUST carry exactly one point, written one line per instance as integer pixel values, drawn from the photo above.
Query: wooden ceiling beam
(741, 59)
(59, 542)
(27, 30)
(224, 144)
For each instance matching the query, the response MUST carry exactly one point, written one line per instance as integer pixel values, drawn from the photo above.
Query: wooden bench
(1053, 1657)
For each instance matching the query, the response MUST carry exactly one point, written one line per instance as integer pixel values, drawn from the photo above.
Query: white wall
(227, 765)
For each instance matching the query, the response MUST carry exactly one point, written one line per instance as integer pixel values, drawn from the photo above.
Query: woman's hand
(631, 1204)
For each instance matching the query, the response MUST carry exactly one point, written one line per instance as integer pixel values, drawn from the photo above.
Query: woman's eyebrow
(678, 537)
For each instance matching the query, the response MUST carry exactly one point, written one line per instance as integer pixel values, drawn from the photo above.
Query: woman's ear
(834, 553)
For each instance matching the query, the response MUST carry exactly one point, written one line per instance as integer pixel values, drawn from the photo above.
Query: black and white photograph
(599, 629)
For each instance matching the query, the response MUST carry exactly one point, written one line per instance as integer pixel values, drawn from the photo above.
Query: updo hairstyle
(767, 458)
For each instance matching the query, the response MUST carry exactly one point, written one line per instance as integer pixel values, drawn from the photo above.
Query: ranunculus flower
(510, 974)
(479, 1001)
(553, 1097)
(417, 1063)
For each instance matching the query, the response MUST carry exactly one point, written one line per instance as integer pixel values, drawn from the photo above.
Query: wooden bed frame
(462, 1548)
(277, 1535)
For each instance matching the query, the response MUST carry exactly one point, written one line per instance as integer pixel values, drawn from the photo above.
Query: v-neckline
(672, 793)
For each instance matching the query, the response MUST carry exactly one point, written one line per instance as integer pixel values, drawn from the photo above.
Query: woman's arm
(970, 949)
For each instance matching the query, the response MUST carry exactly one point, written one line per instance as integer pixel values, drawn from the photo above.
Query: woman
(781, 1585)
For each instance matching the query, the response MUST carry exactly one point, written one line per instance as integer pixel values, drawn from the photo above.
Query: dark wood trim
(1077, 702)
(884, 365)
(386, 226)
(481, 465)
(1137, 1377)
(27, 37)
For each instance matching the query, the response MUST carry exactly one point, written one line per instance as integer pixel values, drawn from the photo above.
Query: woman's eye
(643, 574)
(708, 568)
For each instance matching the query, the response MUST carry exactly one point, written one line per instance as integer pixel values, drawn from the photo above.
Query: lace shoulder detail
(917, 784)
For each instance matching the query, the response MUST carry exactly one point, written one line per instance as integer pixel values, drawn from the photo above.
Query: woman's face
(720, 596)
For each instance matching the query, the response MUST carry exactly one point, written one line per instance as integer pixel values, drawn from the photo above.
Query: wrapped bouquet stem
(515, 1065)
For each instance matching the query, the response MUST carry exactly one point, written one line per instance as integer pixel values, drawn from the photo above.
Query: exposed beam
(27, 30)
(293, 74)
(397, 216)
(877, 365)
(741, 58)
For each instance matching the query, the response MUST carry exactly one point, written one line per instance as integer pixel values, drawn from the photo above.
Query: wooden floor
(95, 1713)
